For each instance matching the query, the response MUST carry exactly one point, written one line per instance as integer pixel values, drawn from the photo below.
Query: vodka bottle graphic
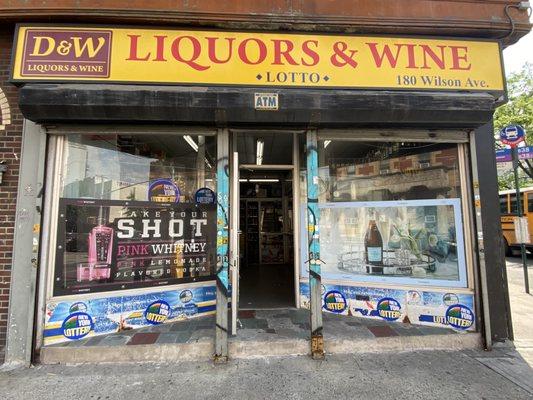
(100, 251)
(100, 255)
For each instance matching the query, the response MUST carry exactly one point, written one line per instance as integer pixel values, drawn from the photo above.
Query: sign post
(512, 135)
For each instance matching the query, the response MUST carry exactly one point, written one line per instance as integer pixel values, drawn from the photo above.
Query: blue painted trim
(223, 224)
(313, 219)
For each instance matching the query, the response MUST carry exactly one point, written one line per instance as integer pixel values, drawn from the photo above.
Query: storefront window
(372, 171)
(136, 211)
(513, 204)
(503, 204)
(391, 212)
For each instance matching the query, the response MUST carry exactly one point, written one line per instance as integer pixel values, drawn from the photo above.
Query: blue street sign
(525, 152)
(504, 155)
(511, 135)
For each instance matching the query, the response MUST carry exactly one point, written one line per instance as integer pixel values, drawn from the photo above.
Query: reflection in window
(373, 171)
(119, 167)
(390, 212)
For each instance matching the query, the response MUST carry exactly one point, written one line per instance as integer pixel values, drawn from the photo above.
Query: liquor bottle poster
(112, 244)
(414, 242)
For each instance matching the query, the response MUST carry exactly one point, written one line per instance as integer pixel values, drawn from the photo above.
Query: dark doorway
(266, 241)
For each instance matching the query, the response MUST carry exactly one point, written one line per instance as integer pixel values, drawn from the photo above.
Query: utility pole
(512, 135)
(519, 214)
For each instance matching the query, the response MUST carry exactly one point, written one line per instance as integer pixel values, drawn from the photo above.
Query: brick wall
(10, 147)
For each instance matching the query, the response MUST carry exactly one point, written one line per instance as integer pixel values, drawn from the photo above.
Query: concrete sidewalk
(413, 375)
(432, 374)
(521, 306)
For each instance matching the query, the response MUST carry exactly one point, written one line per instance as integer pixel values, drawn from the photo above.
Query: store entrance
(266, 241)
(263, 228)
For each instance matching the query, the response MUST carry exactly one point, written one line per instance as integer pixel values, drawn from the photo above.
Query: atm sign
(266, 101)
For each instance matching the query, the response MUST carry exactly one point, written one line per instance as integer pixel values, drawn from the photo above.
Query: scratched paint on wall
(5, 111)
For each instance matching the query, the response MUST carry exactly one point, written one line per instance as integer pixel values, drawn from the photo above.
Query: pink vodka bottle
(100, 252)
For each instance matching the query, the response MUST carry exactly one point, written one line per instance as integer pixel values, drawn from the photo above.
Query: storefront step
(203, 351)
(405, 343)
(126, 354)
(261, 333)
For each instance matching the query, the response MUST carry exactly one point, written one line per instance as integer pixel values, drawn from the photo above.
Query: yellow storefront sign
(161, 56)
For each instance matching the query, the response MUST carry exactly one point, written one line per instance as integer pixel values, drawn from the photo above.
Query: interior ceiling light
(191, 142)
(258, 180)
(326, 143)
(259, 152)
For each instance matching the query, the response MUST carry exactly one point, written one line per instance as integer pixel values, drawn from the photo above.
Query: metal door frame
(234, 250)
(234, 208)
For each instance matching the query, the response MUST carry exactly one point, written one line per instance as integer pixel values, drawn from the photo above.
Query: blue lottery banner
(205, 196)
(73, 320)
(419, 307)
(163, 191)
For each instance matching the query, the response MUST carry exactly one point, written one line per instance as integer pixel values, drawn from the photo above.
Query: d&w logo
(66, 53)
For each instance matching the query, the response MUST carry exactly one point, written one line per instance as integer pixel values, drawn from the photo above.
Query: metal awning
(221, 106)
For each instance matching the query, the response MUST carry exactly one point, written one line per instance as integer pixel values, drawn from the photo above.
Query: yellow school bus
(508, 210)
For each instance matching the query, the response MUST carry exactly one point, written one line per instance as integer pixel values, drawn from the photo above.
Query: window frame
(57, 142)
(461, 140)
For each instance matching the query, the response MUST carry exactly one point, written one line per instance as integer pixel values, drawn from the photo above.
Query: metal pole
(520, 214)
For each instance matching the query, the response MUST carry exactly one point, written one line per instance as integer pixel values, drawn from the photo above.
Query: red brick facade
(10, 149)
